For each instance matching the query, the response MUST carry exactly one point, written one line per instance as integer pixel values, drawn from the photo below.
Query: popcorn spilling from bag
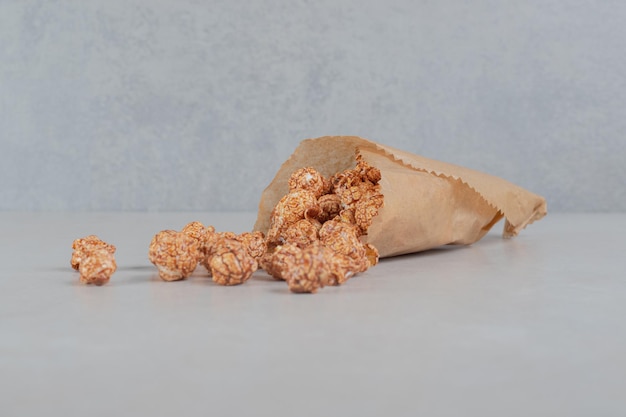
(334, 208)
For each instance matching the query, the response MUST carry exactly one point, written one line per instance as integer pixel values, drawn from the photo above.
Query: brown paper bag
(427, 203)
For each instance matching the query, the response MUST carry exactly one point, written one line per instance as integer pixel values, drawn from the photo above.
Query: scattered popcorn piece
(209, 246)
(231, 264)
(289, 263)
(300, 267)
(97, 267)
(254, 242)
(343, 238)
(197, 231)
(83, 246)
(215, 237)
(274, 262)
(310, 268)
(313, 239)
(174, 253)
(200, 233)
(342, 267)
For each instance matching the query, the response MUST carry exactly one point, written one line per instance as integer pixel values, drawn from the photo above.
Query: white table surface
(533, 326)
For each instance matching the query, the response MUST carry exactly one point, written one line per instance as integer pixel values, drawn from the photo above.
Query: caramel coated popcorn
(231, 263)
(209, 246)
(200, 233)
(360, 193)
(94, 259)
(230, 258)
(314, 239)
(295, 206)
(254, 242)
(311, 180)
(83, 246)
(310, 268)
(213, 238)
(367, 208)
(274, 262)
(343, 238)
(302, 233)
(307, 270)
(353, 196)
(312, 244)
(196, 230)
(330, 207)
(97, 267)
(175, 254)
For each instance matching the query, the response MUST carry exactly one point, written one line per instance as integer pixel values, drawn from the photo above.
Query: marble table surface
(531, 326)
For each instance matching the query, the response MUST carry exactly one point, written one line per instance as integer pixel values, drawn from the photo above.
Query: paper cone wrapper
(427, 203)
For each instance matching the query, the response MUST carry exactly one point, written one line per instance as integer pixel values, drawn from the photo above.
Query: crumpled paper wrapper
(427, 203)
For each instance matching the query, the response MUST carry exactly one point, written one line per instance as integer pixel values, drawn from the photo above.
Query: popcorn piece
(324, 267)
(301, 268)
(210, 244)
(208, 240)
(367, 172)
(97, 267)
(343, 238)
(274, 262)
(195, 229)
(254, 242)
(293, 207)
(316, 243)
(360, 193)
(175, 254)
(347, 216)
(265, 262)
(342, 268)
(313, 267)
(302, 233)
(231, 264)
(311, 180)
(200, 233)
(330, 207)
(83, 246)
(366, 208)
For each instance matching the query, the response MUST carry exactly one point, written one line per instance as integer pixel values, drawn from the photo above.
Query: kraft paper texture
(427, 203)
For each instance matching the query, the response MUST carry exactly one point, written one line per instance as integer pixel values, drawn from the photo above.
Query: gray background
(193, 105)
